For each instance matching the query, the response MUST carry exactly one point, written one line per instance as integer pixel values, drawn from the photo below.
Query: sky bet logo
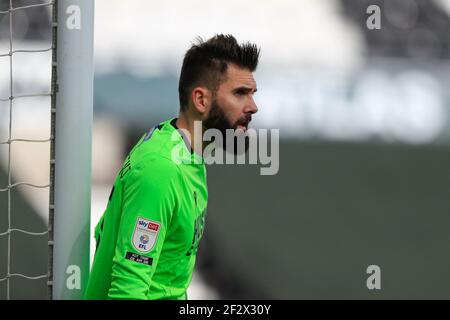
(145, 234)
(149, 225)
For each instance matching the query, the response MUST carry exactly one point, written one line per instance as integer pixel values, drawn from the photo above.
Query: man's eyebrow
(244, 89)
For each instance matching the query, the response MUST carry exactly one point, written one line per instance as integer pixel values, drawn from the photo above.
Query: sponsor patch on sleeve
(138, 258)
(145, 234)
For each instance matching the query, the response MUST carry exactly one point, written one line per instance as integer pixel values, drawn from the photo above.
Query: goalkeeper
(148, 236)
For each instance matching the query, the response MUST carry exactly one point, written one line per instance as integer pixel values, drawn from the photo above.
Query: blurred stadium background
(364, 126)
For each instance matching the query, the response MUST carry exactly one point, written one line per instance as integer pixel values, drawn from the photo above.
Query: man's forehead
(239, 76)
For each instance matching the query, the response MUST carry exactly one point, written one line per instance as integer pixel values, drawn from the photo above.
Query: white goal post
(73, 117)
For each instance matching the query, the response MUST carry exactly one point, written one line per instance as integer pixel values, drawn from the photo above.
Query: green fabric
(161, 184)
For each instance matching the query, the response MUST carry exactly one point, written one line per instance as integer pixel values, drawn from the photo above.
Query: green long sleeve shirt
(148, 236)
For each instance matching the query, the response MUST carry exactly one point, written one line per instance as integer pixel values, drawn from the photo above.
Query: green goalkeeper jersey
(148, 236)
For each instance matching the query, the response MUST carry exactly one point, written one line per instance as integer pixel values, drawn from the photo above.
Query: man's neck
(195, 139)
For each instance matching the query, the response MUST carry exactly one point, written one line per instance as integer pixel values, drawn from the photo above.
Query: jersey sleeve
(149, 202)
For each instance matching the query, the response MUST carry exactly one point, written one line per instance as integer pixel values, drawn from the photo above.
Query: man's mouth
(243, 125)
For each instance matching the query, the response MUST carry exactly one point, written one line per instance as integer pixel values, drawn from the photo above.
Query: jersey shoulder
(151, 156)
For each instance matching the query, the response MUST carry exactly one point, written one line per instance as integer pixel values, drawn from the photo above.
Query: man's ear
(201, 99)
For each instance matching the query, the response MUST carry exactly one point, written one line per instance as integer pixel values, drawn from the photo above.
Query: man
(148, 236)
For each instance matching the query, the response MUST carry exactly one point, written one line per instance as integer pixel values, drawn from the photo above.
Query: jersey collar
(194, 157)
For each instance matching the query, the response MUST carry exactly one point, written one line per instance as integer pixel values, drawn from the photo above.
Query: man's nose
(252, 107)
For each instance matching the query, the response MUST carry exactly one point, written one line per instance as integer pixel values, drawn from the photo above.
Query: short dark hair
(205, 63)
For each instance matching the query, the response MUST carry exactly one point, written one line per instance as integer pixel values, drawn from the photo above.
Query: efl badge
(145, 234)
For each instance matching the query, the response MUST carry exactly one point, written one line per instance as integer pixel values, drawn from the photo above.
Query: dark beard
(218, 120)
